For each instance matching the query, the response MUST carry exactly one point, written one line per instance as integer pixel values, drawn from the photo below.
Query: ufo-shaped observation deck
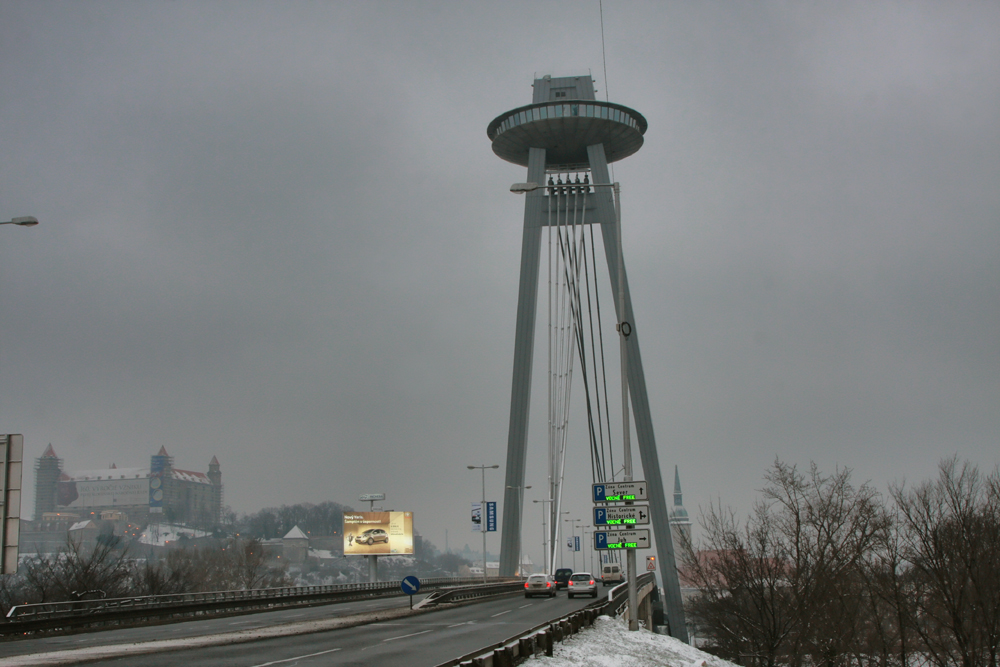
(565, 129)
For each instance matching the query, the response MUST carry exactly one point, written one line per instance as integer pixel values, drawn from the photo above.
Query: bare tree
(951, 533)
(787, 586)
(744, 605)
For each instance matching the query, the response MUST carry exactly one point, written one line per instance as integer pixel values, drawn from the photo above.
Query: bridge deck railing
(540, 639)
(66, 614)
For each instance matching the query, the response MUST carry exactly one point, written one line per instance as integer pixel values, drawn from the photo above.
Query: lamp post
(572, 531)
(482, 511)
(23, 221)
(520, 529)
(562, 560)
(545, 538)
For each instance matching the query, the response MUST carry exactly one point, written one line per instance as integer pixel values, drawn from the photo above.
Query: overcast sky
(276, 233)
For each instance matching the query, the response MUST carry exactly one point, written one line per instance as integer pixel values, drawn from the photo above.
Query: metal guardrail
(461, 593)
(542, 637)
(82, 613)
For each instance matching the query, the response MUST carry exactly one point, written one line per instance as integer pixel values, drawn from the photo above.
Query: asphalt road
(414, 641)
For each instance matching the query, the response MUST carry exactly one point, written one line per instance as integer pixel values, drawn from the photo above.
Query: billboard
(379, 533)
(103, 493)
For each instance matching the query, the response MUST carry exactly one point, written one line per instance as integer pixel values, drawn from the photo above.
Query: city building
(137, 496)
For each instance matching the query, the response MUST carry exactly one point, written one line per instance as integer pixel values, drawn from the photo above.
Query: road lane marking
(458, 624)
(526, 605)
(502, 613)
(392, 639)
(298, 657)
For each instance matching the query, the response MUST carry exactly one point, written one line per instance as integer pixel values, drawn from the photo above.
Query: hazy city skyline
(276, 233)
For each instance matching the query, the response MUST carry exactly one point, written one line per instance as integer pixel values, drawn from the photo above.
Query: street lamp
(588, 540)
(23, 221)
(572, 530)
(520, 526)
(482, 511)
(545, 537)
(555, 528)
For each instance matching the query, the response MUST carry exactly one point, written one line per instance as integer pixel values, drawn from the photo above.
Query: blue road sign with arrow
(410, 585)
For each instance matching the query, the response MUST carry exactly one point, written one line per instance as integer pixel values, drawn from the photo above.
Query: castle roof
(162, 452)
(214, 461)
(104, 473)
(295, 534)
(190, 476)
(49, 452)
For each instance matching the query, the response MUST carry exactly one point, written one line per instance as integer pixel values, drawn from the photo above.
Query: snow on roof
(322, 554)
(80, 525)
(190, 476)
(104, 473)
(158, 534)
(295, 534)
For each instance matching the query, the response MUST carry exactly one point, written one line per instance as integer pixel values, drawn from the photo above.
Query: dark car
(562, 577)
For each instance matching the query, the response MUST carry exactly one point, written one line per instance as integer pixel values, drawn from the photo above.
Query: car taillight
(591, 582)
(571, 583)
(526, 584)
(548, 584)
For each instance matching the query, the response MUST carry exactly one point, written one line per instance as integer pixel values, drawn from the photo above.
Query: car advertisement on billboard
(367, 533)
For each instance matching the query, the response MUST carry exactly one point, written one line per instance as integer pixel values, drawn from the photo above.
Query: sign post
(372, 558)
(410, 585)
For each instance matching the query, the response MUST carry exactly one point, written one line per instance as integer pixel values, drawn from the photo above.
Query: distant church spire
(680, 523)
(678, 500)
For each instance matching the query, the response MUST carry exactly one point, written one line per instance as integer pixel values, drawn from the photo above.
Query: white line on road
(392, 639)
(502, 613)
(525, 605)
(298, 657)
(458, 624)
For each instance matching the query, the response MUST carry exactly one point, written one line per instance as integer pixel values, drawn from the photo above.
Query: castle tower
(215, 475)
(680, 523)
(159, 481)
(48, 468)
(566, 129)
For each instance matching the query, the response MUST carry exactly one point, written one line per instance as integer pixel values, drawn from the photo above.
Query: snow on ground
(610, 644)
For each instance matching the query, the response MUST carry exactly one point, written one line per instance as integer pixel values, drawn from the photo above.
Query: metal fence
(541, 638)
(84, 613)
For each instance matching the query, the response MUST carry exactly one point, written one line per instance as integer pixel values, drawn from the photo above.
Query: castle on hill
(159, 493)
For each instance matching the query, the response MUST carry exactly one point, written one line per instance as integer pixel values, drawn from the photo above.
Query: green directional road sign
(622, 539)
(624, 516)
(619, 492)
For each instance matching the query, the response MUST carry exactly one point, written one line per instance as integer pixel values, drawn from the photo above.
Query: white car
(582, 583)
(540, 584)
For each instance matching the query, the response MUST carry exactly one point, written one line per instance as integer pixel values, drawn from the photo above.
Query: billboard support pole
(372, 568)
(10, 497)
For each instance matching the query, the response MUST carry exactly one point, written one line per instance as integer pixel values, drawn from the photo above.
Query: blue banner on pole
(491, 517)
(576, 543)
